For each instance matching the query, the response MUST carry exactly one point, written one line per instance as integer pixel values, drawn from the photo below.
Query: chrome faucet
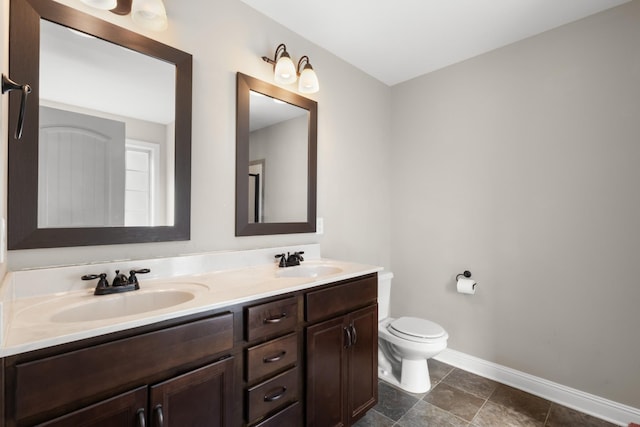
(120, 282)
(290, 260)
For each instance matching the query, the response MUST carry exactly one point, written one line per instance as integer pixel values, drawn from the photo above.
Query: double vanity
(239, 341)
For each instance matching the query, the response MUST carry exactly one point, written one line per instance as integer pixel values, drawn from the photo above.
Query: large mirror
(105, 154)
(276, 153)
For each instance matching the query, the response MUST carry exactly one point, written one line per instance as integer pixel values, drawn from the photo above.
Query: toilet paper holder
(466, 285)
(466, 274)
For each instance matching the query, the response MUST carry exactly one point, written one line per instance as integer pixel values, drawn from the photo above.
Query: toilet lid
(417, 328)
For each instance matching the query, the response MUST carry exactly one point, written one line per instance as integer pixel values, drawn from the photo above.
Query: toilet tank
(384, 294)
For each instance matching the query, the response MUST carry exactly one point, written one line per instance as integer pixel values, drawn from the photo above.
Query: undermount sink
(119, 305)
(312, 270)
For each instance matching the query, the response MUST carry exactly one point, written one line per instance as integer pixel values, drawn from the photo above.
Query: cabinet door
(326, 373)
(127, 409)
(363, 362)
(197, 398)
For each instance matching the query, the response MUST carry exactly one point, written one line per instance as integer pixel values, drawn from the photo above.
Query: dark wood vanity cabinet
(181, 374)
(197, 398)
(341, 353)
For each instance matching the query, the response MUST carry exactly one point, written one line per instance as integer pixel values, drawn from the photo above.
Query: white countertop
(28, 320)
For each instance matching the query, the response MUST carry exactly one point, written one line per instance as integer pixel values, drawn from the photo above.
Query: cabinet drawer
(271, 356)
(70, 378)
(272, 394)
(271, 318)
(290, 416)
(341, 298)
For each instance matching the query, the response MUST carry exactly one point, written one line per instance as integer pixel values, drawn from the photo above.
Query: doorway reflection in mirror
(278, 166)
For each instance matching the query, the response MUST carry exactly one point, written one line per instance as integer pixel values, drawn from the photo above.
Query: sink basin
(118, 305)
(316, 270)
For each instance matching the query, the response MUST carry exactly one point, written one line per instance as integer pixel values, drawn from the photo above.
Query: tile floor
(461, 399)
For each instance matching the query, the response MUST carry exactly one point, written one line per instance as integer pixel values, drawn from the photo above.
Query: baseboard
(605, 409)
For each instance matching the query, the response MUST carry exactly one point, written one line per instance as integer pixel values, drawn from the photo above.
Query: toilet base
(414, 376)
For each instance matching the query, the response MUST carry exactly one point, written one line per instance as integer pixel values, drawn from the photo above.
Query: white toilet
(405, 344)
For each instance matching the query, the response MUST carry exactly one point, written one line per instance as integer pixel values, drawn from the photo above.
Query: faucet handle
(102, 283)
(132, 275)
(283, 260)
(299, 255)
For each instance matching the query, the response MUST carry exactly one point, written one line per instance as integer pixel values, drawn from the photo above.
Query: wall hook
(9, 85)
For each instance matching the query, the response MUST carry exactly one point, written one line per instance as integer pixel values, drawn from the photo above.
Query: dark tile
(458, 402)
(520, 401)
(492, 415)
(471, 383)
(424, 414)
(374, 419)
(392, 402)
(561, 416)
(438, 370)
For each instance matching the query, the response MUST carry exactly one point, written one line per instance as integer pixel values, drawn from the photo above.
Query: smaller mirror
(275, 160)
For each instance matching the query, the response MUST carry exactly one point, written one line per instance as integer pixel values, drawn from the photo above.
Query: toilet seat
(416, 329)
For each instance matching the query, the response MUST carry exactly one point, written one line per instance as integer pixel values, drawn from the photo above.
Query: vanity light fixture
(308, 82)
(284, 72)
(149, 14)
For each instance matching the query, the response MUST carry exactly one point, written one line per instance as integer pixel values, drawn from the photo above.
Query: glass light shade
(308, 80)
(149, 14)
(101, 4)
(285, 72)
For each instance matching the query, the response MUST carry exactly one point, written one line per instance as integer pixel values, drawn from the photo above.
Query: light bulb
(308, 80)
(285, 72)
(149, 14)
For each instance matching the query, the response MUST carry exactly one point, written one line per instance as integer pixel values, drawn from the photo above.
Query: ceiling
(397, 40)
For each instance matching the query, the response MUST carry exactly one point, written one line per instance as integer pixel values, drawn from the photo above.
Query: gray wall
(224, 37)
(521, 165)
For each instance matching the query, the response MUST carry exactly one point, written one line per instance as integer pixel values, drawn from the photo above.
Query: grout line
(384, 416)
(478, 411)
(548, 414)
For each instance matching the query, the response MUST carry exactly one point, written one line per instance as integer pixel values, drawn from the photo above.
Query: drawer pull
(349, 336)
(274, 358)
(159, 416)
(141, 419)
(354, 335)
(275, 396)
(276, 319)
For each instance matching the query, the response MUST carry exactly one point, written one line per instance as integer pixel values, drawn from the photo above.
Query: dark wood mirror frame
(245, 84)
(24, 49)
